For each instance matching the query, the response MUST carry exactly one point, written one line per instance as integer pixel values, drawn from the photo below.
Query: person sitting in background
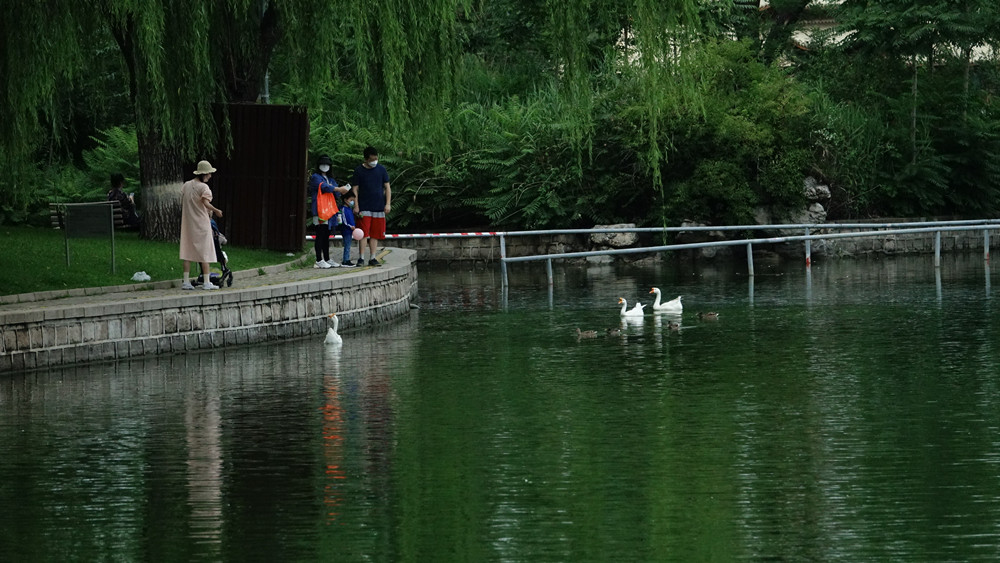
(126, 201)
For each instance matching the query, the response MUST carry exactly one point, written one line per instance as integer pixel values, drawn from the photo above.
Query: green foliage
(747, 144)
(906, 126)
(717, 191)
(116, 150)
(527, 113)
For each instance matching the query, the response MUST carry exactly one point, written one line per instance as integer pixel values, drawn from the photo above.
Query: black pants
(322, 242)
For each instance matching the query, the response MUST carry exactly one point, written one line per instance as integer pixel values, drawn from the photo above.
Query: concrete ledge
(113, 325)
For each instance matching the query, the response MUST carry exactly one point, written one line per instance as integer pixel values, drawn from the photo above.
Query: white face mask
(324, 167)
(372, 163)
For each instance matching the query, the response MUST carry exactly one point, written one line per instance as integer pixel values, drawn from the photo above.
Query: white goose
(672, 306)
(633, 312)
(331, 333)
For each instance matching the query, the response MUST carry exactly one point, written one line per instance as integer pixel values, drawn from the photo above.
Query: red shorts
(372, 226)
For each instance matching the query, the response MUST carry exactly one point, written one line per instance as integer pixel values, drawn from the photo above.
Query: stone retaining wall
(487, 248)
(50, 335)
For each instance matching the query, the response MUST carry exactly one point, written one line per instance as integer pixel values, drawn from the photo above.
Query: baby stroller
(226, 277)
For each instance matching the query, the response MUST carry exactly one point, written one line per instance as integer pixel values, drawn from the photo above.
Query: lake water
(847, 413)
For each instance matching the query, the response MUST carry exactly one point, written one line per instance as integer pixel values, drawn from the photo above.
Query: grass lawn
(34, 259)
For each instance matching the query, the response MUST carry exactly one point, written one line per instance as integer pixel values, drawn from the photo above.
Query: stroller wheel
(229, 280)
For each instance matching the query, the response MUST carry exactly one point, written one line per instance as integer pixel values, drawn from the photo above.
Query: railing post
(986, 245)
(750, 258)
(503, 261)
(937, 249)
(808, 250)
(548, 270)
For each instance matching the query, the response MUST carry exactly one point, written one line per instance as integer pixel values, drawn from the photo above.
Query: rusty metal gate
(260, 185)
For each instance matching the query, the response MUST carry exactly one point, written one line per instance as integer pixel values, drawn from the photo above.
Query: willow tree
(592, 47)
(186, 56)
(34, 67)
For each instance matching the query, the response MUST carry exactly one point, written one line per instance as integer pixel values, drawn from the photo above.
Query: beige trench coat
(196, 226)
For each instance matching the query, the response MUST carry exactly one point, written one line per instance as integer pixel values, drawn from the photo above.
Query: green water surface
(850, 413)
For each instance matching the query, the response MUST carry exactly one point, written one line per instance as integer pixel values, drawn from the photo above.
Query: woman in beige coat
(196, 225)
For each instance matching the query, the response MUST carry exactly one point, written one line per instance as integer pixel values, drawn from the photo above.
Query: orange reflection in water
(333, 448)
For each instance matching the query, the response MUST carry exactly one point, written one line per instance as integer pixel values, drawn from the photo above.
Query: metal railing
(936, 227)
(858, 230)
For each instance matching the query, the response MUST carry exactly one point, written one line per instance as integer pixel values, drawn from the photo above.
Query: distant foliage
(115, 150)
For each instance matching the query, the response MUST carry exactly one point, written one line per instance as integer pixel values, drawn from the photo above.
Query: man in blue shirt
(370, 184)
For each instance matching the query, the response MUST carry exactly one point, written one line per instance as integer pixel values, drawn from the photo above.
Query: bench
(57, 212)
(88, 220)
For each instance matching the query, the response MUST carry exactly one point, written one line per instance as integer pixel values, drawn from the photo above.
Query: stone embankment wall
(487, 248)
(90, 329)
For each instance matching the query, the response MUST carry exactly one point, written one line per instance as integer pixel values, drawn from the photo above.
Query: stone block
(56, 314)
(88, 332)
(210, 319)
(9, 339)
(178, 343)
(17, 361)
(114, 329)
(75, 332)
(35, 336)
(128, 327)
(62, 336)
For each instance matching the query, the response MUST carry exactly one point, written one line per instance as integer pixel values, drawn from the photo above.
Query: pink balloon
(358, 234)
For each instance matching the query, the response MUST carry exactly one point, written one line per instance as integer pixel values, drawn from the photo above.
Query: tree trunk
(160, 170)
(159, 163)
(248, 49)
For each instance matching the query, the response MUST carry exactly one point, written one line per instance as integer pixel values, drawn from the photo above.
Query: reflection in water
(988, 288)
(333, 448)
(937, 284)
(203, 424)
(798, 426)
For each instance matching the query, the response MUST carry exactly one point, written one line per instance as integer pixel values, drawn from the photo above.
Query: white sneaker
(209, 285)
(332, 264)
(187, 285)
(321, 264)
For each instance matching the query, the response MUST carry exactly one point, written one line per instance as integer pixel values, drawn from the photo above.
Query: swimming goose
(633, 312)
(331, 333)
(672, 306)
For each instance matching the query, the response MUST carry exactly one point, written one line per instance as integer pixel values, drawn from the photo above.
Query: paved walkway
(242, 280)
